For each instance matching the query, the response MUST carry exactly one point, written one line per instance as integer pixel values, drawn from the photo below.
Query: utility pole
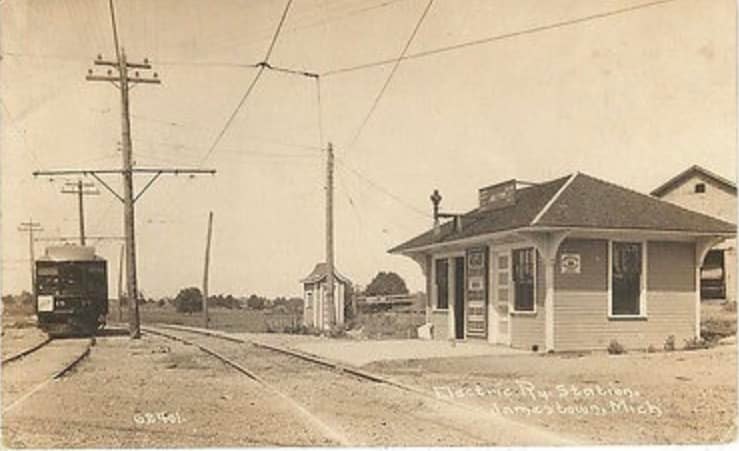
(205, 272)
(31, 227)
(123, 80)
(120, 284)
(81, 189)
(330, 234)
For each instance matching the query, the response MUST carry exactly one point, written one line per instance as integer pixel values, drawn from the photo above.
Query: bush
(189, 300)
(651, 349)
(337, 331)
(717, 328)
(670, 343)
(614, 347)
(695, 343)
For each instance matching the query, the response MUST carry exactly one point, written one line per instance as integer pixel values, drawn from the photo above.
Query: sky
(633, 98)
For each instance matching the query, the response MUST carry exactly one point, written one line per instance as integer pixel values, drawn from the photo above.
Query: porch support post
(547, 243)
(702, 246)
(425, 261)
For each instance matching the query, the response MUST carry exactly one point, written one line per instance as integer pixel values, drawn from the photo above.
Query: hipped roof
(577, 201)
(320, 272)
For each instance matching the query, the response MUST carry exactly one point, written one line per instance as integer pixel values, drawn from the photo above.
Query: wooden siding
(528, 329)
(581, 307)
(593, 266)
(670, 266)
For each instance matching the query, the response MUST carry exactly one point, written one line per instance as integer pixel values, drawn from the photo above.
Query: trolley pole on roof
(31, 227)
(205, 272)
(81, 189)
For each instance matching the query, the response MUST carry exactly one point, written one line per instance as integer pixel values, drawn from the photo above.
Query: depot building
(567, 264)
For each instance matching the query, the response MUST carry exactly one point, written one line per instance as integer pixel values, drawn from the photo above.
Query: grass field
(221, 319)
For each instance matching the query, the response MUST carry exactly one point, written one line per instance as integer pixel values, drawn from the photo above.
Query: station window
(523, 280)
(626, 279)
(700, 187)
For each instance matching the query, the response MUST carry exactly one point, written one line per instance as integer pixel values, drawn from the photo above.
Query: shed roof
(577, 201)
(320, 272)
(671, 184)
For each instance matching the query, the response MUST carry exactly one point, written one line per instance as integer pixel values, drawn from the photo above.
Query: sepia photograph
(368, 223)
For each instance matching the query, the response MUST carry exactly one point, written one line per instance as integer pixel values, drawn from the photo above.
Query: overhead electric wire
(115, 30)
(277, 31)
(382, 189)
(391, 74)
(252, 85)
(498, 37)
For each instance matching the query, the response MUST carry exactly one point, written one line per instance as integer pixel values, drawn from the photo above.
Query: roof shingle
(584, 202)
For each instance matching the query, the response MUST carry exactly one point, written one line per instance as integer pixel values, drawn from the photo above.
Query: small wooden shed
(315, 308)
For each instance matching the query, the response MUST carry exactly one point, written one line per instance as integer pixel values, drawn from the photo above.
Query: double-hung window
(627, 279)
(524, 274)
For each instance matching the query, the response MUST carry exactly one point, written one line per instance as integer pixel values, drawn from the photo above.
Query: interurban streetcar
(71, 290)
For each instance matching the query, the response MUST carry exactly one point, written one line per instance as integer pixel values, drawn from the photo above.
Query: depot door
(459, 298)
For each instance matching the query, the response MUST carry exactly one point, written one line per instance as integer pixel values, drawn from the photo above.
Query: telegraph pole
(123, 80)
(31, 227)
(81, 189)
(205, 272)
(330, 234)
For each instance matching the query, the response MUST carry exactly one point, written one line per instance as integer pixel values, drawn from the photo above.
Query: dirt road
(637, 398)
(155, 392)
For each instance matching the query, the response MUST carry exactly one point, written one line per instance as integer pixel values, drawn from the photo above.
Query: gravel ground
(22, 376)
(370, 414)
(16, 340)
(154, 393)
(685, 396)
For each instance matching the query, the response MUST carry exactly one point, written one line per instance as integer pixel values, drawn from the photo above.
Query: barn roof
(576, 201)
(320, 272)
(694, 170)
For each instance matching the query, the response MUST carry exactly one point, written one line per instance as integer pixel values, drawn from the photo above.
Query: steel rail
(27, 351)
(348, 369)
(55, 376)
(326, 430)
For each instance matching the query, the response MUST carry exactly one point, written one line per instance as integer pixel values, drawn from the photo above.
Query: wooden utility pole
(81, 189)
(123, 80)
(31, 227)
(120, 284)
(205, 272)
(329, 304)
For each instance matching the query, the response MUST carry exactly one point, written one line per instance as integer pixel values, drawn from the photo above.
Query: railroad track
(355, 407)
(27, 351)
(48, 362)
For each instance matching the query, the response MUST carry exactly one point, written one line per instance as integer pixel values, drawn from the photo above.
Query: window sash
(524, 296)
(627, 259)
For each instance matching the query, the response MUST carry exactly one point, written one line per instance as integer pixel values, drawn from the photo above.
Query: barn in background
(701, 190)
